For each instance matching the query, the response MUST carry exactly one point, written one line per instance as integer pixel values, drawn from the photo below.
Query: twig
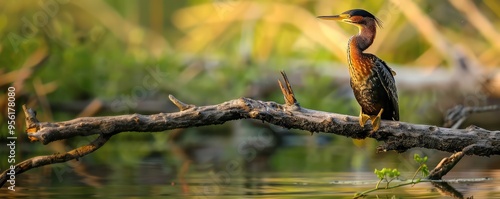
(447, 164)
(56, 158)
(287, 91)
(364, 193)
(181, 105)
(457, 115)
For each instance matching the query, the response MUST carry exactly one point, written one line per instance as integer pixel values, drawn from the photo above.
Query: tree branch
(399, 136)
(446, 165)
(455, 116)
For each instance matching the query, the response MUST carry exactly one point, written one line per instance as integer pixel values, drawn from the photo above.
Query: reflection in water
(155, 180)
(249, 164)
(250, 155)
(447, 190)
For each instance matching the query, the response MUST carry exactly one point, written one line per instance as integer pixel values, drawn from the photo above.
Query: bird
(371, 79)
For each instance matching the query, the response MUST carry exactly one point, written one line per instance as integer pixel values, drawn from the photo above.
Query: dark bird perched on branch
(371, 79)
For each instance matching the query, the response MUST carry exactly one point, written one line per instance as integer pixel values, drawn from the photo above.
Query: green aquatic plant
(388, 175)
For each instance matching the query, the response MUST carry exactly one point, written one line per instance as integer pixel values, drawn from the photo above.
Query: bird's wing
(386, 76)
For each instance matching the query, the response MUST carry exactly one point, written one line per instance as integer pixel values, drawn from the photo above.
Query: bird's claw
(376, 121)
(363, 118)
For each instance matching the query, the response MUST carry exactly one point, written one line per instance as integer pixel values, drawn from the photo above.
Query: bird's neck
(357, 44)
(363, 39)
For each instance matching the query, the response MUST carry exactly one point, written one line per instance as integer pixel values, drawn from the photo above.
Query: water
(43, 183)
(125, 169)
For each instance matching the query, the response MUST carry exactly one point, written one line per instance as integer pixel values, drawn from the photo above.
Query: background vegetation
(69, 59)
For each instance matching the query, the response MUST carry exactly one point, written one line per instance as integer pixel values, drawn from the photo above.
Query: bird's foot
(363, 118)
(376, 121)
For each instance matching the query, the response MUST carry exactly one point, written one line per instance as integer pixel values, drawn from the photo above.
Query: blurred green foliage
(206, 52)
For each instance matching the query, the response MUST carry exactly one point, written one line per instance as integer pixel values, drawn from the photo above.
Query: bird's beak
(341, 17)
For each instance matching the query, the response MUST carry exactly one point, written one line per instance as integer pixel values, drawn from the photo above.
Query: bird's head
(358, 17)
